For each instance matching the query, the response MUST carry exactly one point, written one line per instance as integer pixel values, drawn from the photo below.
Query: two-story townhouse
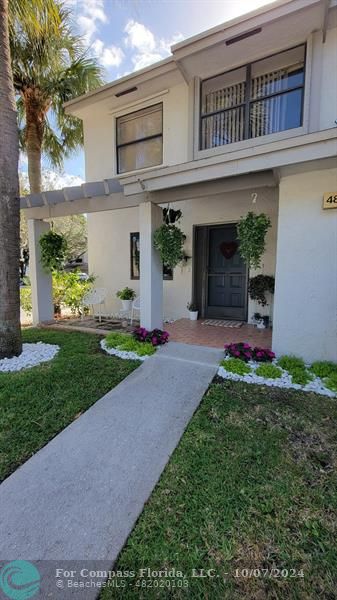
(241, 117)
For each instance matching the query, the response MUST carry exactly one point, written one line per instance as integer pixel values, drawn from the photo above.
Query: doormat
(220, 323)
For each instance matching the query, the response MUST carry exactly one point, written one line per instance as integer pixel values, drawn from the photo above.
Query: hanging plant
(258, 287)
(169, 241)
(252, 231)
(53, 250)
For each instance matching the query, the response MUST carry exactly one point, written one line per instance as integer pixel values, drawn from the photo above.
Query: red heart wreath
(228, 249)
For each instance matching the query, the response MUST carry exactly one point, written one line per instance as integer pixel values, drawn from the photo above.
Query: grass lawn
(38, 403)
(252, 485)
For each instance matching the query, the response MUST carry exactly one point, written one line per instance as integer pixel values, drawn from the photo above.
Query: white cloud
(109, 56)
(90, 13)
(87, 27)
(144, 59)
(166, 44)
(139, 37)
(148, 48)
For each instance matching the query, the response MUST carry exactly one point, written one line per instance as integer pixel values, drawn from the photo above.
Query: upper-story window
(257, 99)
(140, 139)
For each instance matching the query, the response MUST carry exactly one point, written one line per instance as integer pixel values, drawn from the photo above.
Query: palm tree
(49, 68)
(10, 334)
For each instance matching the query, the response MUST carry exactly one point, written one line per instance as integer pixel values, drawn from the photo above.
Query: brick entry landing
(193, 332)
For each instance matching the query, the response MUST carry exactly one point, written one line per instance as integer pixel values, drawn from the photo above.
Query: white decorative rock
(122, 353)
(316, 385)
(31, 356)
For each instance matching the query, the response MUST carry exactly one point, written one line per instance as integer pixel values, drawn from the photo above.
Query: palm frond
(29, 11)
(52, 146)
(83, 75)
(50, 66)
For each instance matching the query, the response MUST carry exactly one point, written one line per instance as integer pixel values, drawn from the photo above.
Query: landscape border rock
(316, 385)
(32, 355)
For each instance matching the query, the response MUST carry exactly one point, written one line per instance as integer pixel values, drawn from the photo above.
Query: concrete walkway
(78, 498)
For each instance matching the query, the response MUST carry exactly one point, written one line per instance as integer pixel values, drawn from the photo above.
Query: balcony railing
(254, 104)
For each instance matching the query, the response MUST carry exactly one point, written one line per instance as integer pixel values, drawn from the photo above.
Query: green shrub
(331, 382)
(269, 371)
(235, 365)
(126, 343)
(288, 363)
(300, 376)
(26, 299)
(323, 368)
(69, 289)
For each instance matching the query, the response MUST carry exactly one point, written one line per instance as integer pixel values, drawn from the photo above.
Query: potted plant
(261, 321)
(126, 295)
(258, 287)
(169, 240)
(53, 247)
(193, 311)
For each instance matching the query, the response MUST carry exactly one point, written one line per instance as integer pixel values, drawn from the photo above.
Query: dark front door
(220, 273)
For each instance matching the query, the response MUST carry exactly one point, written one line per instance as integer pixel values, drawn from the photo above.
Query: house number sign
(330, 200)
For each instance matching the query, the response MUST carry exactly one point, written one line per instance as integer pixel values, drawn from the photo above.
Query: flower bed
(32, 355)
(245, 352)
(139, 346)
(262, 368)
(156, 337)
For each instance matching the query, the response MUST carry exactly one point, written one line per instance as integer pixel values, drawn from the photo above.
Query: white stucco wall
(99, 118)
(328, 90)
(109, 244)
(305, 303)
(100, 132)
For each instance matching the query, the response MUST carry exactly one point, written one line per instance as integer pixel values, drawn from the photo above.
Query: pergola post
(41, 281)
(151, 268)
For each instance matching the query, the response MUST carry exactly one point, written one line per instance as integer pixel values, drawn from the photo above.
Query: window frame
(140, 140)
(249, 102)
(133, 277)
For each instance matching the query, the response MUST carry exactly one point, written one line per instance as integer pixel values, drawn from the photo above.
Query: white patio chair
(135, 307)
(95, 297)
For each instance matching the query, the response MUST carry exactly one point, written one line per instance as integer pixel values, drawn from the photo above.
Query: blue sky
(126, 35)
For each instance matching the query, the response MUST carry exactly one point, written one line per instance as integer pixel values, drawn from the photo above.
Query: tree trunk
(10, 333)
(34, 135)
